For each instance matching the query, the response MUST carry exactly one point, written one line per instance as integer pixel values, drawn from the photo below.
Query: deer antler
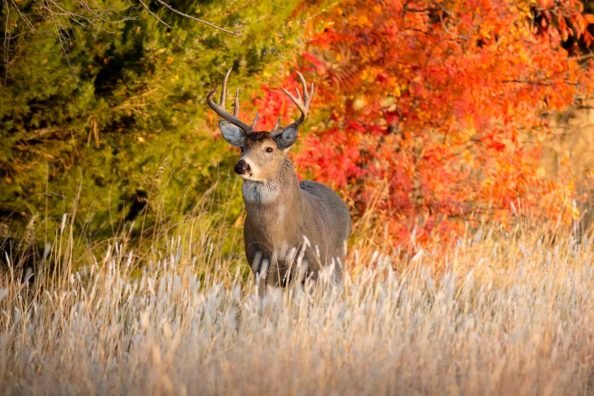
(220, 108)
(301, 102)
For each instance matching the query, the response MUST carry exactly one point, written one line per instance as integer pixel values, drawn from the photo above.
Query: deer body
(292, 230)
(303, 228)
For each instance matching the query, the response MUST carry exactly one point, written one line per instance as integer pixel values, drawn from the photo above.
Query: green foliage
(99, 105)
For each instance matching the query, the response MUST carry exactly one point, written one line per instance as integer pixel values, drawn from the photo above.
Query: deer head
(262, 152)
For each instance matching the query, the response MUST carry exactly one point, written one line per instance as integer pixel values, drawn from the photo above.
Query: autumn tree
(429, 111)
(426, 113)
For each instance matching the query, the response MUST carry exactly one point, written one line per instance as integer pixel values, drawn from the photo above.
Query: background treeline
(102, 105)
(428, 113)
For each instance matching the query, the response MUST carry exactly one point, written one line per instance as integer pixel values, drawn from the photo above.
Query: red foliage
(565, 20)
(428, 111)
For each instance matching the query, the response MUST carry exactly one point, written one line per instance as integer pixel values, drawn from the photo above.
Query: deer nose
(241, 167)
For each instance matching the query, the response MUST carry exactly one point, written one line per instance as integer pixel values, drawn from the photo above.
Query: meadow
(498, 312)
(450, 129)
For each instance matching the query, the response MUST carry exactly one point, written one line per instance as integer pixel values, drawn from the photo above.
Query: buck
(293, 229)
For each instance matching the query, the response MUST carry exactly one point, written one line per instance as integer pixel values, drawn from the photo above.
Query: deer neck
(284, 188)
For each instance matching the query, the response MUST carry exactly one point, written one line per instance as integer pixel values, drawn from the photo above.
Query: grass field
(495, 314)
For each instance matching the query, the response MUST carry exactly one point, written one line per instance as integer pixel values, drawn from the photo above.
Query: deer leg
(261, 277)
(257, 262)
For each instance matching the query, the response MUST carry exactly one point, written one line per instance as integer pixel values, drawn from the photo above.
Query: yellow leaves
(469, 124)
(467, 156)
(161, 51)
(387, 102)
(363, 21)
(359, 103)
(524, 9)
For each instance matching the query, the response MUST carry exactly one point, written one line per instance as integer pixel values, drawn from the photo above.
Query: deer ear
(285, 138)
(232, 133)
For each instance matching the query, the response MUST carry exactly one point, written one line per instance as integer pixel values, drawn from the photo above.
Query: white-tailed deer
(293, 229)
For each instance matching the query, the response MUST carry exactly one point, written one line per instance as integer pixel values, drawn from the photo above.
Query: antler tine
(277, 125)
(308, 94)
(219, 108)
(224, 89)
(302, 102)
(294, 100)
(255, 121)
(303, 82)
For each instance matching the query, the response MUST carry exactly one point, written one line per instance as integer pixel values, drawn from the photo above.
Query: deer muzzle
(242, 167)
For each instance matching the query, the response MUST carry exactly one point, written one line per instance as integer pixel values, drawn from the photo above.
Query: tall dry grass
(500, 315)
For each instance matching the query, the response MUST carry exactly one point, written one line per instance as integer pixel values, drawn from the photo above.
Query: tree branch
(153, 14)
(169, 7)
(534, 82)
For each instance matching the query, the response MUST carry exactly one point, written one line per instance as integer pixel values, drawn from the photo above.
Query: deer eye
(269, 149)
(241, 150)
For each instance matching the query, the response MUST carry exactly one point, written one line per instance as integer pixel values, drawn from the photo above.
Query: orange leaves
(428, 112)
(565, 21)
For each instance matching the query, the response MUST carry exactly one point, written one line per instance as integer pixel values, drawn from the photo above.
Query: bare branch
(61, 11)
(586, 57)
(5, 48)
(153, 14)
(94, 14)
(46, 5)
(536, 82)
(169, 7)
(23, 16)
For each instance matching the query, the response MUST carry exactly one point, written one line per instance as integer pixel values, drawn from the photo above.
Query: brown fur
(292, 229)
(285, 216)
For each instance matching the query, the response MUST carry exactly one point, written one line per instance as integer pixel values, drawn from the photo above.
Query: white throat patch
(259, 192)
